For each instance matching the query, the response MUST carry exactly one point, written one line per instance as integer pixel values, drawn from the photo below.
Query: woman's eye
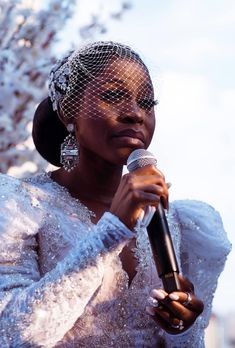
(113, 96)
(147, 104)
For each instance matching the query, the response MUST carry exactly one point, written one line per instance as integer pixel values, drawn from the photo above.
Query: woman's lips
(129, 141)
(131, 137)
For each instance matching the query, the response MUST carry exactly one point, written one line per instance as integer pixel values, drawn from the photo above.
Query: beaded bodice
(61, 278)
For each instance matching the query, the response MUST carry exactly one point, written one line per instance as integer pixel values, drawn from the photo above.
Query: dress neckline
(129, 280)
(141, 251)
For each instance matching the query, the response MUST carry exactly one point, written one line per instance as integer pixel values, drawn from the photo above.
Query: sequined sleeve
(37, 311)
(204, 248)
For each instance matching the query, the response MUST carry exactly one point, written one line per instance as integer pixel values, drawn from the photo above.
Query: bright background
(190, 50)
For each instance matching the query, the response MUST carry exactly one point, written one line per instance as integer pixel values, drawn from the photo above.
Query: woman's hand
(143, 187)
(175, 312)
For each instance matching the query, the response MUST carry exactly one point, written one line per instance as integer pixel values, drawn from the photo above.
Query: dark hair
(48, 130)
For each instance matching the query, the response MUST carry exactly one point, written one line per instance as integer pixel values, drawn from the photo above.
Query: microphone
(158, 230)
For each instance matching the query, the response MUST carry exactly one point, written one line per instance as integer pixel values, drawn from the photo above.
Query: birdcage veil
(91, 64)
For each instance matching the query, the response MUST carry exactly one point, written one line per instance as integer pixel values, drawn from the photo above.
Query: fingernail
(174, 297)
(153, 302)
(150, 311)
(158, 294)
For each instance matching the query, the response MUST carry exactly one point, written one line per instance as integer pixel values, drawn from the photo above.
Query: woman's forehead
(124, 67)
(126, 73)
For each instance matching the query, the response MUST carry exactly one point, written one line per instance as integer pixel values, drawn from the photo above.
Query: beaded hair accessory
(114, 74)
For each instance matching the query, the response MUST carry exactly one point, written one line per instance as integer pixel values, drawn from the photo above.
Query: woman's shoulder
(18, 190)
(12, 190)
(8, 182)
(56, 199)
(19, 207)
(196, 211)
(201, 226)
(30, 195)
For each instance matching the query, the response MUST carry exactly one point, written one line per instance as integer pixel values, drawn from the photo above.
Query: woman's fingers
(146, 198)
(185, 284)
(166, 320)
(157, 193)
(133, 179)
(149, 170)
(182, 304)
(151, 184)
(178, 310)
(143, 187)
(188, 300)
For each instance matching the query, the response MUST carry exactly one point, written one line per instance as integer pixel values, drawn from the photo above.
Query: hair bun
(48, 132)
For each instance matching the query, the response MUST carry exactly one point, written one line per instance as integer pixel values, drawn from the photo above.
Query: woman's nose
(132, 113)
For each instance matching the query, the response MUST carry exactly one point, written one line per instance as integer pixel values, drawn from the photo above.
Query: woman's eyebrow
(143, 86)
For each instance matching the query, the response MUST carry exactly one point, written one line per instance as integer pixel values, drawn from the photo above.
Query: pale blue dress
(61, 279)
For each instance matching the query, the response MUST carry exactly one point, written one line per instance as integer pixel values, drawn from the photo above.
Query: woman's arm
(38, 312)
(204, 248)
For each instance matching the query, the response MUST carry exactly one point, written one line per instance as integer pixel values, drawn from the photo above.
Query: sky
(189, 47)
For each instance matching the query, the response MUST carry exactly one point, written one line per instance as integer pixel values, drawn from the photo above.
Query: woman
(76, 271)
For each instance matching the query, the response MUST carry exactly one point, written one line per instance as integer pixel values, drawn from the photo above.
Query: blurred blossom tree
(28, 32)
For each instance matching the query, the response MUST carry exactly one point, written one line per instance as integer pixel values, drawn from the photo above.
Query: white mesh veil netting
(105, 76)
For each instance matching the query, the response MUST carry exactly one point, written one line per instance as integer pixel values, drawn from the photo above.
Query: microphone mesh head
(140, 158)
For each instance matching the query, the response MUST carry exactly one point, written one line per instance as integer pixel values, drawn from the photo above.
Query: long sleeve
(204, 249)
(38, 311)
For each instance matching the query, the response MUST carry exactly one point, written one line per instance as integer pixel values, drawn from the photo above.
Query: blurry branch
(97, 25)
(28, 33)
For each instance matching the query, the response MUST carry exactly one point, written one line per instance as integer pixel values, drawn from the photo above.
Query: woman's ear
(65, 120)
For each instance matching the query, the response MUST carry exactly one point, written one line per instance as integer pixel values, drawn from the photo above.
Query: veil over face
(70, 77)
(116, 110)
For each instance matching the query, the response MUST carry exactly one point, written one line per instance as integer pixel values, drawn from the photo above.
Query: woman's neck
(91, 180)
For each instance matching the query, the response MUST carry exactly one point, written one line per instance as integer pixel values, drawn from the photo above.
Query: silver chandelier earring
(69, 150)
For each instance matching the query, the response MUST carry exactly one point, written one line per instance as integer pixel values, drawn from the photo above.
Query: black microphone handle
(163, 250)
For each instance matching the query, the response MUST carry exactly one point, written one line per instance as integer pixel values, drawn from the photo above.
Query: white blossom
(28, 32)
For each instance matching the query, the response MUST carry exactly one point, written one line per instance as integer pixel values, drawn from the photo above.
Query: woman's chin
(123, 155)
